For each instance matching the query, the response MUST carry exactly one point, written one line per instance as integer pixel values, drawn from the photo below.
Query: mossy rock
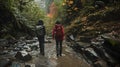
(113, 42)
(112, 47)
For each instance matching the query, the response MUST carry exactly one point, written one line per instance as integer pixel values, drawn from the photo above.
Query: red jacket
(54, 31)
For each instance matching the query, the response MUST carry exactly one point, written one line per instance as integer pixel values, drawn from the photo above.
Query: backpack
(58, 31)
(40, 30)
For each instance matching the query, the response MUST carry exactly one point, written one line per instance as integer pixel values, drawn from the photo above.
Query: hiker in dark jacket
(40, 31)
(58, 35)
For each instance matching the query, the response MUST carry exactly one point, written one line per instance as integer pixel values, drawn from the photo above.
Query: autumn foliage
(72, 8)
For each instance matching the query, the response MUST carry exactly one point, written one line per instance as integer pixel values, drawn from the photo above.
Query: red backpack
(58, 31)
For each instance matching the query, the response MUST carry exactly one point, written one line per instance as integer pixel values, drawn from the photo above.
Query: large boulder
(4, 43)
(23, 57)
(99, 4)
(112, 47)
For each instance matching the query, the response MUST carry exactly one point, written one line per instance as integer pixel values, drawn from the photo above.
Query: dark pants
(41, 45)
(59, 47)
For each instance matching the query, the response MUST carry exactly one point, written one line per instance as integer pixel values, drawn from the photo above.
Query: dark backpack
(40, 30)
(58, 31)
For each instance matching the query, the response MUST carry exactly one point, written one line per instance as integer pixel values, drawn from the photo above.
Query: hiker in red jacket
(58, 35)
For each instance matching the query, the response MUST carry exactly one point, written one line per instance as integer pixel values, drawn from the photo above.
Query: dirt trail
(69, 58)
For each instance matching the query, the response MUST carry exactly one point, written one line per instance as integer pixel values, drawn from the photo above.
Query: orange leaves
(71, 2)
(75, 8)
(53, 10)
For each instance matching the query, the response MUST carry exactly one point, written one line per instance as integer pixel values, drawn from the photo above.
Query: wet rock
(5, 63)
(4, 43)
(29, 37)
(21, 43)
(112, 47)
(12, 53)
(99, 4)
(16, 64)
(27, 66)
(19, 56)
(19, 64)
(34, 47)
(23, 56)
(22, 38)
(96, 44)
(100, 52)
(28, 50)
(34, 53)
(86, 39)
(2, 53)
(26, 47)
(30, 65)
(16, 49)
(30, 41)
(91, 50)
(97, 41)
(35, 38)
(27, 57)
(91, 54)
(19, 46)
(71, 37)
(12, 41)
(77, 48)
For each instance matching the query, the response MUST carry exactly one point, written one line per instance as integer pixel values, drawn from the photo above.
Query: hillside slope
(92, 22)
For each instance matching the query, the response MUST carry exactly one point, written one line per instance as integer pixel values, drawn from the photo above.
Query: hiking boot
(60, 54)
(42, 54)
